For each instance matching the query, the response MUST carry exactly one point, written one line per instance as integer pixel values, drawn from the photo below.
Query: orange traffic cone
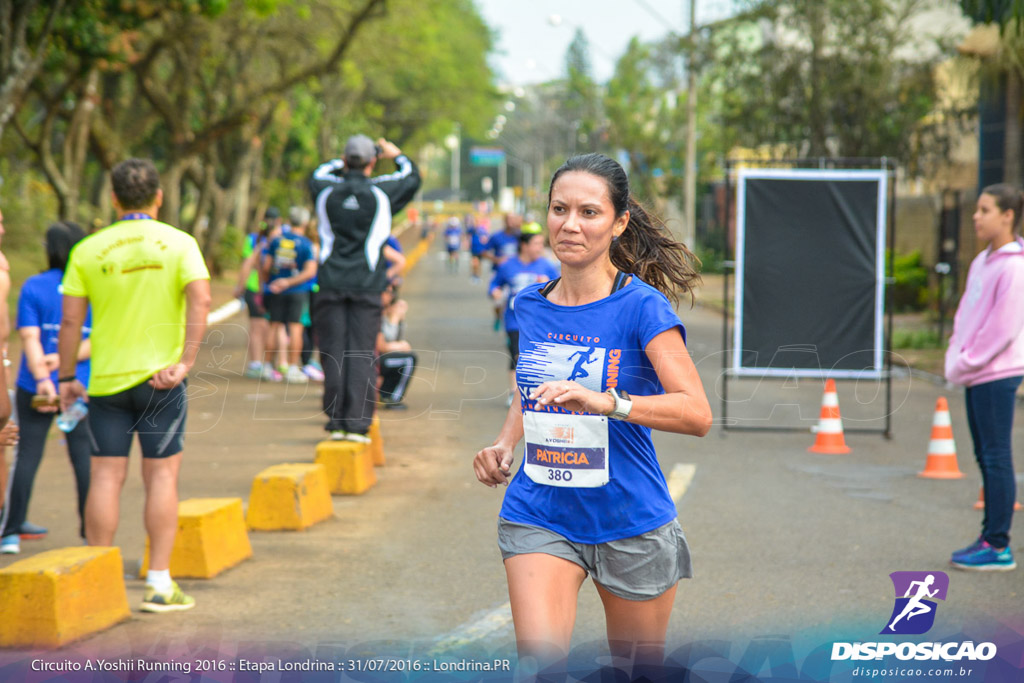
(941, 463)
(980, 505)
(830, 424)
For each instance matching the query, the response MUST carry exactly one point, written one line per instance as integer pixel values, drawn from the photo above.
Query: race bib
(566, 450)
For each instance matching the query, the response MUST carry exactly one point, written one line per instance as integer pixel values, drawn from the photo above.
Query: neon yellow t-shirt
(134, 274)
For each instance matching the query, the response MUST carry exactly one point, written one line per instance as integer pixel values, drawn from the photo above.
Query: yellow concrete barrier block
(376, 442)
(212, 537)
(349, 466)
(56, 597)
(290, 496)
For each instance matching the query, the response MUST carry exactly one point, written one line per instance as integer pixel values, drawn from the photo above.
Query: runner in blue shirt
(453, 243)
(590, 497)
(290, 268)
(478, 238)
(528, 268)
(502, 246)
(39, 318)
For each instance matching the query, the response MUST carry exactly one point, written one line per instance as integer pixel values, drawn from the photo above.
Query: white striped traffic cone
(830, 425)
(941, 462)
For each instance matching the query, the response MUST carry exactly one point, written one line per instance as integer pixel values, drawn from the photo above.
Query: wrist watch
(623, 404)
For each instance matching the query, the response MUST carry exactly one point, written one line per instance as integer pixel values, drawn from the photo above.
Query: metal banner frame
(880, 169)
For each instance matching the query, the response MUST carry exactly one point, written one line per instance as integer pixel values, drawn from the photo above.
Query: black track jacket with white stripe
(354, 219)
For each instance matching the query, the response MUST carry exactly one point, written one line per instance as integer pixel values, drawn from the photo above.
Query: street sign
(486, 156)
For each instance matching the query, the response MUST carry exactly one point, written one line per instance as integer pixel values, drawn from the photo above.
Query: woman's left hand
(573, 396)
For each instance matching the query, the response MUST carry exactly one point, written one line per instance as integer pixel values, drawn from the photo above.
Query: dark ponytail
(646, 248)
(60, 238)
(1008, 198)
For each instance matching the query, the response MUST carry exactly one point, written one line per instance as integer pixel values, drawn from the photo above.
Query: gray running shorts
(638, 568)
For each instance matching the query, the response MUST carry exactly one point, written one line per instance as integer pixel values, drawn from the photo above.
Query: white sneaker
(10, 545)
(270, 374)
(339, 435)
(357, 438)
(295, 375)
(313, 372)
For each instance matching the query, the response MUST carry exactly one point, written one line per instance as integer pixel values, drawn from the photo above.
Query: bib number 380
(566, 450)
(560, 475)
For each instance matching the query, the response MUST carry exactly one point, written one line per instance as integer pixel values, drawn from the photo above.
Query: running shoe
(395, 405)
(253, 371)
(295, 375)
(986, 559)
(270, 374)
(338, 435)
(313, 372)
(173, 600)
(974, 547)
(10, 545)
(32, 532)
(357, 438)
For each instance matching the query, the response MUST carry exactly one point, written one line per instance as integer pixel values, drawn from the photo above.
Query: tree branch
(371, 9)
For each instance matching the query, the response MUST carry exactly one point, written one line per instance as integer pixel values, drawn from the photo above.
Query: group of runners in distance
(598, 360)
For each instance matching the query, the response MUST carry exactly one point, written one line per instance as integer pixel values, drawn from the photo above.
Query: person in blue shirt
(590, 496)
(290, 267)
(502, 246)
(453, 243)
(478, 239)
(36, 397)
(527, 268)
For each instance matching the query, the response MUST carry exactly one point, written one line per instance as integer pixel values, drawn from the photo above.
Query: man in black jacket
(354, 217)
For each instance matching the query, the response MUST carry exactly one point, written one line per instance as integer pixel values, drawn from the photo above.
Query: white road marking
(493, 621)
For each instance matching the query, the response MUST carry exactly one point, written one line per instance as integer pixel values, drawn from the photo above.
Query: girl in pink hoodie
(986, 354)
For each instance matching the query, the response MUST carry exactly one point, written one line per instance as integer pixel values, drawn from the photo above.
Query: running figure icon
(586, 357)
(914, 606)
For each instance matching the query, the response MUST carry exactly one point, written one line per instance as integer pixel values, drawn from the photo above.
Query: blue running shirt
(515, 275)
(40, 305)
(599, 345)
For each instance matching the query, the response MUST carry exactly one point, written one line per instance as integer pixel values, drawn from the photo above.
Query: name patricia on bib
(566, 457)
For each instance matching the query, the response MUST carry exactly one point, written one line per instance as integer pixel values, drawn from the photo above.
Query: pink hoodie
(988, 330)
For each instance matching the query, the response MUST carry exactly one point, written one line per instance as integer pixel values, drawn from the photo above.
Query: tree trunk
(818, 126)
(18, 65)
(170, 211)
(1012, 139)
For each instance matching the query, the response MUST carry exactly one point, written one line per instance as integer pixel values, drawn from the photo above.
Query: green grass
(916, 339)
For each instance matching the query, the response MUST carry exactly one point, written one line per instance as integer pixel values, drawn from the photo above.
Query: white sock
(160, 579)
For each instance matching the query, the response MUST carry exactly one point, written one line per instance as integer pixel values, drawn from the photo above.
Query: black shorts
(156, 415)
(287, 308)
(254, 302)
(513, 347)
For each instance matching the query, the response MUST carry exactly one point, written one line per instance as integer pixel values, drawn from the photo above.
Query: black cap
(272, 213)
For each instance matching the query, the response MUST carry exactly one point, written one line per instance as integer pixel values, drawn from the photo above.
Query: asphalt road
(785, 542)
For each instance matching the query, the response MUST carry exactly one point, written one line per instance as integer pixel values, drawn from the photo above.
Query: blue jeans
(990, 417)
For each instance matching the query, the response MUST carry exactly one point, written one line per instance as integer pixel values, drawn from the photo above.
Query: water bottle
(70, 418)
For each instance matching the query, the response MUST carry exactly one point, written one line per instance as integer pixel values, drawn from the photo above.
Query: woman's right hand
(493, 465)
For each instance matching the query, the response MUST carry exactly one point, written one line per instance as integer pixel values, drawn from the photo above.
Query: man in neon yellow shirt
(150, 294)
